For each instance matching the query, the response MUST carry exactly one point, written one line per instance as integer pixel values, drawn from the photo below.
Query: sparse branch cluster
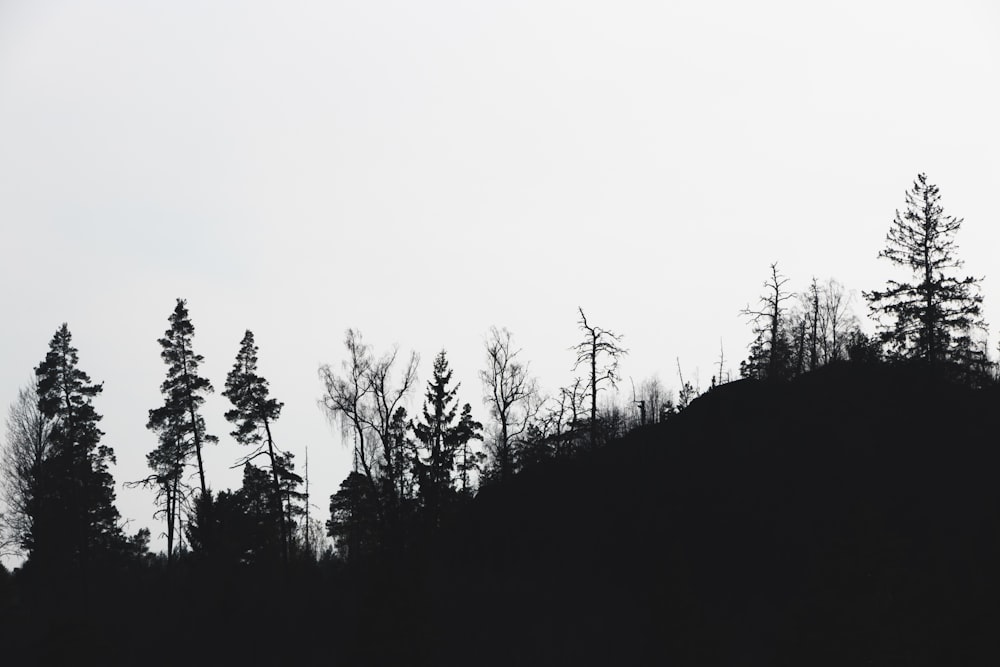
(798, 332)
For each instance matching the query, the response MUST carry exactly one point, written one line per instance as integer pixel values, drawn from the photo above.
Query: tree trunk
(277, 495)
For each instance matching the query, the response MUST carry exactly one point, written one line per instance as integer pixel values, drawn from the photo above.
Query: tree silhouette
(931, 316)
(509, 392)
(180, 426)
(253, 413)
(246, 524)
(74, 520)
(600, 351)
(769, 353)
(836, 321)
(352, 514)
(367, 402)
(441, 438)
(168, 462)
(24, 452)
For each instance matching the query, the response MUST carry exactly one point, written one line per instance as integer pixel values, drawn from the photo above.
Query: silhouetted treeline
(835, 506)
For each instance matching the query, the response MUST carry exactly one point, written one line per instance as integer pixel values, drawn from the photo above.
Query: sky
(422, 171)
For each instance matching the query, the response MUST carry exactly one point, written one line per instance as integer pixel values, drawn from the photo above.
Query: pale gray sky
(423, 170)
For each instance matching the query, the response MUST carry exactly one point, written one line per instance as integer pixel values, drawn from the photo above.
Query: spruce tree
(178, 421)
(253, 413)
(441, 439)
(932, 315)
(74, 519)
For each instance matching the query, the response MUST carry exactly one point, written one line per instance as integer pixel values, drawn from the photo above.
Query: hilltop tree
(178, 422)
(770, 352)
(836, 321)
(509, 392)
(74, 522)
(600, 351)
(441, 439)
(253, 413)
(24, 451)
(930, 316)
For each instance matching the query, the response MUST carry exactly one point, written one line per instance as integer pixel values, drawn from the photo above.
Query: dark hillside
(849, 517)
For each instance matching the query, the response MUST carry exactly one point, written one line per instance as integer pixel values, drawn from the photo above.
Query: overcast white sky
(423, 170)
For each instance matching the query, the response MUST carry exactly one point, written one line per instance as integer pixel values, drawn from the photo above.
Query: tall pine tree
(253, 413)
(178, 421)
(74, 520)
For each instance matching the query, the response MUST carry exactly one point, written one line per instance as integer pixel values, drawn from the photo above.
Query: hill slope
(850, 516)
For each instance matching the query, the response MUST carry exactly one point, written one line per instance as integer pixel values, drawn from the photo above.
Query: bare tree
(388, 419)
(558, 419)
(25, 448)
(346, 401)
(508, 391)
(640, 403)
(688, 392)
(652, 391)
(600, 351)
(368, 406)
(571, 406)
(769, 320)
(836, 321)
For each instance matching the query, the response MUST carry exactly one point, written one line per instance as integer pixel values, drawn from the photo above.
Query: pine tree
(74, 519)
(441, 439)
(253, 413)
(168, 462)
(932, 315)
(178, 422)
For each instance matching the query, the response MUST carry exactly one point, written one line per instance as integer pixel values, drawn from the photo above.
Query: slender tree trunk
(593, 391)
(814, 341)
(170, 524)
(929, 341)
(309, 548)
(504, 450)
(194, 426)
(277, 494)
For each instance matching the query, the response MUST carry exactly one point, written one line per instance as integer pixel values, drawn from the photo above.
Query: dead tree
(769, 320)
(508, 391)
(600, 351)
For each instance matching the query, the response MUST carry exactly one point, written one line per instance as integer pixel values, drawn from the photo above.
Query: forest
(832, 505)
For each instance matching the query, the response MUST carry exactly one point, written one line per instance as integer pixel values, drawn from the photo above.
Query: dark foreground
(849, 517)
